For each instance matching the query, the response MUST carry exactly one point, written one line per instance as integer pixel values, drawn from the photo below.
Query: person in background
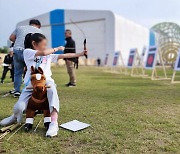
(8, 66)
(99, 62)
(18, 37)
(70, 47)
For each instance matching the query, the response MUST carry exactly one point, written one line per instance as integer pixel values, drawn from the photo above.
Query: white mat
(74, 125)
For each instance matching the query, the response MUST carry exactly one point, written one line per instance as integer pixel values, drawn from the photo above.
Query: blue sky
(144, 12)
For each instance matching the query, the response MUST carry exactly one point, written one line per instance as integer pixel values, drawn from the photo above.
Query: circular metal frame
(168, 40)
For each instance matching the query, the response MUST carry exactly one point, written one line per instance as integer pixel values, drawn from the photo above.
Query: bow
(84, 43)
(85, 48)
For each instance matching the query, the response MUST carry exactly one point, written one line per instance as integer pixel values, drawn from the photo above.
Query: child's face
(41, 45)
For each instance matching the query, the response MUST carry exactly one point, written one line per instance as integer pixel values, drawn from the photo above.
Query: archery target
(131, 57)
(106, 59)
(177, 63)
(150, 61)
(116, 58)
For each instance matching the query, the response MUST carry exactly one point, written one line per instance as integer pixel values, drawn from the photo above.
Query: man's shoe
(8, 121)
(2, 81)
(67, 84)
(17, 94)
(71, 85)
(52, 130)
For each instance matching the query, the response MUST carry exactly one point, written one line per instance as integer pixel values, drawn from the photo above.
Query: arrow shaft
(70, 48)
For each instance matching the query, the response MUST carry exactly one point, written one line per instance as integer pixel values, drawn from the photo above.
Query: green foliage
(127, 115)
(4, 50)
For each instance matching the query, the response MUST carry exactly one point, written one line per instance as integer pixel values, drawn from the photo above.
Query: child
(8, 65)
(36, 54)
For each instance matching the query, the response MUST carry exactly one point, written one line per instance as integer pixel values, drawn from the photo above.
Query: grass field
(127, 115)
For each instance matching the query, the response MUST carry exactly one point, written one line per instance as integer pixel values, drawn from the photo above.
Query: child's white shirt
(30, 60)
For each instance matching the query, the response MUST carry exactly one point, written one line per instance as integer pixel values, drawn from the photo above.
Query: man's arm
(12, 37)
(74, 46)
(5, 59)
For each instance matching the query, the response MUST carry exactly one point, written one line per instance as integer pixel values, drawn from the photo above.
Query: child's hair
(36, 37)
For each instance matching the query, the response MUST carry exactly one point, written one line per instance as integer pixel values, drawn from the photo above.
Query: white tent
(105, 31)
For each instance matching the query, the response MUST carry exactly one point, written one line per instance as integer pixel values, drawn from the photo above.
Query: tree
(4, 50)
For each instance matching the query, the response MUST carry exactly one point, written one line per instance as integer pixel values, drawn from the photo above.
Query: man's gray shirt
(21, 32)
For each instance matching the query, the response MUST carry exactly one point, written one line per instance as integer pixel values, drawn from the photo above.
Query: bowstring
(78, 27)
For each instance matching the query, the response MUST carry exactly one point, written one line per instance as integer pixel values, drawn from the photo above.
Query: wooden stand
(173, 78)
(118, 68)
(154, 52)
(154, 72)
(137, 67)
(123, 68)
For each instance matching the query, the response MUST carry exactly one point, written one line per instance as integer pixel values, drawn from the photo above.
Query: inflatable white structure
(105, 31)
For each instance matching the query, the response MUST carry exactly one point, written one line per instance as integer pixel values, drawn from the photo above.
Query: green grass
(127, 115)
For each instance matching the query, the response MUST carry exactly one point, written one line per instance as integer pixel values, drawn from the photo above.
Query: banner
(151, 57)
(177, 63)
(116, 58)
(131, 58)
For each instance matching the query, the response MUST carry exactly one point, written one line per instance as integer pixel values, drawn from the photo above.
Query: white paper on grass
(74, 125)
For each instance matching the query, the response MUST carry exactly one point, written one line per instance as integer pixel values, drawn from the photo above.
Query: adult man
(18, 37)
(8, 66)
(70, 48)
